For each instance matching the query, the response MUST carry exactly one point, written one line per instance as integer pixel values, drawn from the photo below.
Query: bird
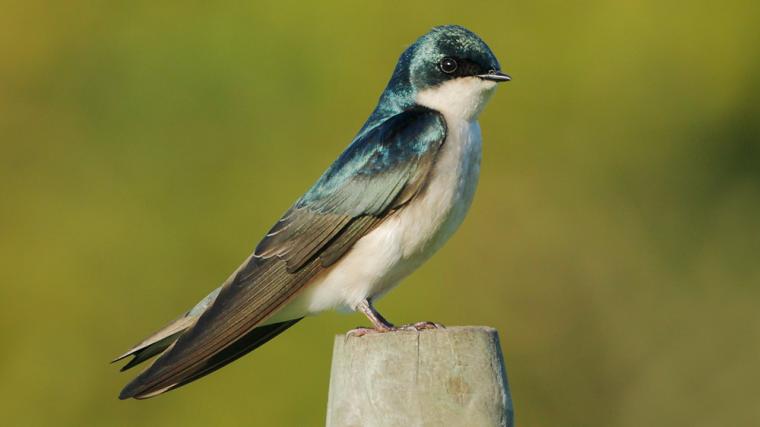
(387, 203)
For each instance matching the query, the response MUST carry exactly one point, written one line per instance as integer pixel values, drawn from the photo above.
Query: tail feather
(141, 387)
(166, 336)
(146, 353)
(157, 342)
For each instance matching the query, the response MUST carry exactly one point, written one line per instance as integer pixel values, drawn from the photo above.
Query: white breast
(404, 241)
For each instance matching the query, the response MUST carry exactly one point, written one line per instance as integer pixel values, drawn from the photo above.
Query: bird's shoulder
(384, 148)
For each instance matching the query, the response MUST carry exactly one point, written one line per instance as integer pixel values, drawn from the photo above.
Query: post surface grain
(452, 377)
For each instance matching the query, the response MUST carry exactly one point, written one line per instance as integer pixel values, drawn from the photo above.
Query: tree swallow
(390, 200)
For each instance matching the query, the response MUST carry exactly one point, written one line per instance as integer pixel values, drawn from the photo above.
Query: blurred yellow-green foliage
(614, 240)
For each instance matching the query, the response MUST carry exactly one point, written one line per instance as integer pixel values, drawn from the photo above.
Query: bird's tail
(157, 342)
(142, 387)
(166, 336)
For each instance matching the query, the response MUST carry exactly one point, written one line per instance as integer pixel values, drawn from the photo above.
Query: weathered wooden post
(441, 377)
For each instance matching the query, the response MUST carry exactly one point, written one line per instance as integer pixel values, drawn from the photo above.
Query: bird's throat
(459, 99)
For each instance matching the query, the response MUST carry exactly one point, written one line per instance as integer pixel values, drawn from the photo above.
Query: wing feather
(380, 172)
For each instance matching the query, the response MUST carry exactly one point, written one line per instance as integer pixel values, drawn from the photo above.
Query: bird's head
(452, 52)
(449, 69)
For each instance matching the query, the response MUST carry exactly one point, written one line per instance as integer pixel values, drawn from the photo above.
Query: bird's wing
(381, 171)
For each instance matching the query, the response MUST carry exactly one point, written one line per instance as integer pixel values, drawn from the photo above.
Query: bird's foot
(381, 325)
(421, 326)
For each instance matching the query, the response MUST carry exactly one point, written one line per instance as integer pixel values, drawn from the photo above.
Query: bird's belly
(405, 240)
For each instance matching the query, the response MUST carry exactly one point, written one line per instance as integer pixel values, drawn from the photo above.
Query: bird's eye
(448, 65)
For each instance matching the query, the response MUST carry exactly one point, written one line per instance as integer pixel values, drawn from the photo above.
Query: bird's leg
(378, 321)
(382, 325)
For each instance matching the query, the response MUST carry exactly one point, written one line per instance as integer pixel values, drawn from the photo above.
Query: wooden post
(443, 377)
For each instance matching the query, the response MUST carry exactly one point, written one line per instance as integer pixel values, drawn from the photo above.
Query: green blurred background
(614, 240)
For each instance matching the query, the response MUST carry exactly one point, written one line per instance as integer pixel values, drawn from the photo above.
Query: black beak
(495, 76)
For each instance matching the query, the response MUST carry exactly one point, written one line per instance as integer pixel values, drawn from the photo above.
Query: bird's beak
(495, 76)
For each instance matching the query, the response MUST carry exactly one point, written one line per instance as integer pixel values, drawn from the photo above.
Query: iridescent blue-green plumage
(366, 174)
(417, 68)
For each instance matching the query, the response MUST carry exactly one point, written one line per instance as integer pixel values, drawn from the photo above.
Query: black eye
(448, 65)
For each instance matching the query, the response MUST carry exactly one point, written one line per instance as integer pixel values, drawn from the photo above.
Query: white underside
(398, 246)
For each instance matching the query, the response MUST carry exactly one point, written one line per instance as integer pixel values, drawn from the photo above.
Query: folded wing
(381, 171)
